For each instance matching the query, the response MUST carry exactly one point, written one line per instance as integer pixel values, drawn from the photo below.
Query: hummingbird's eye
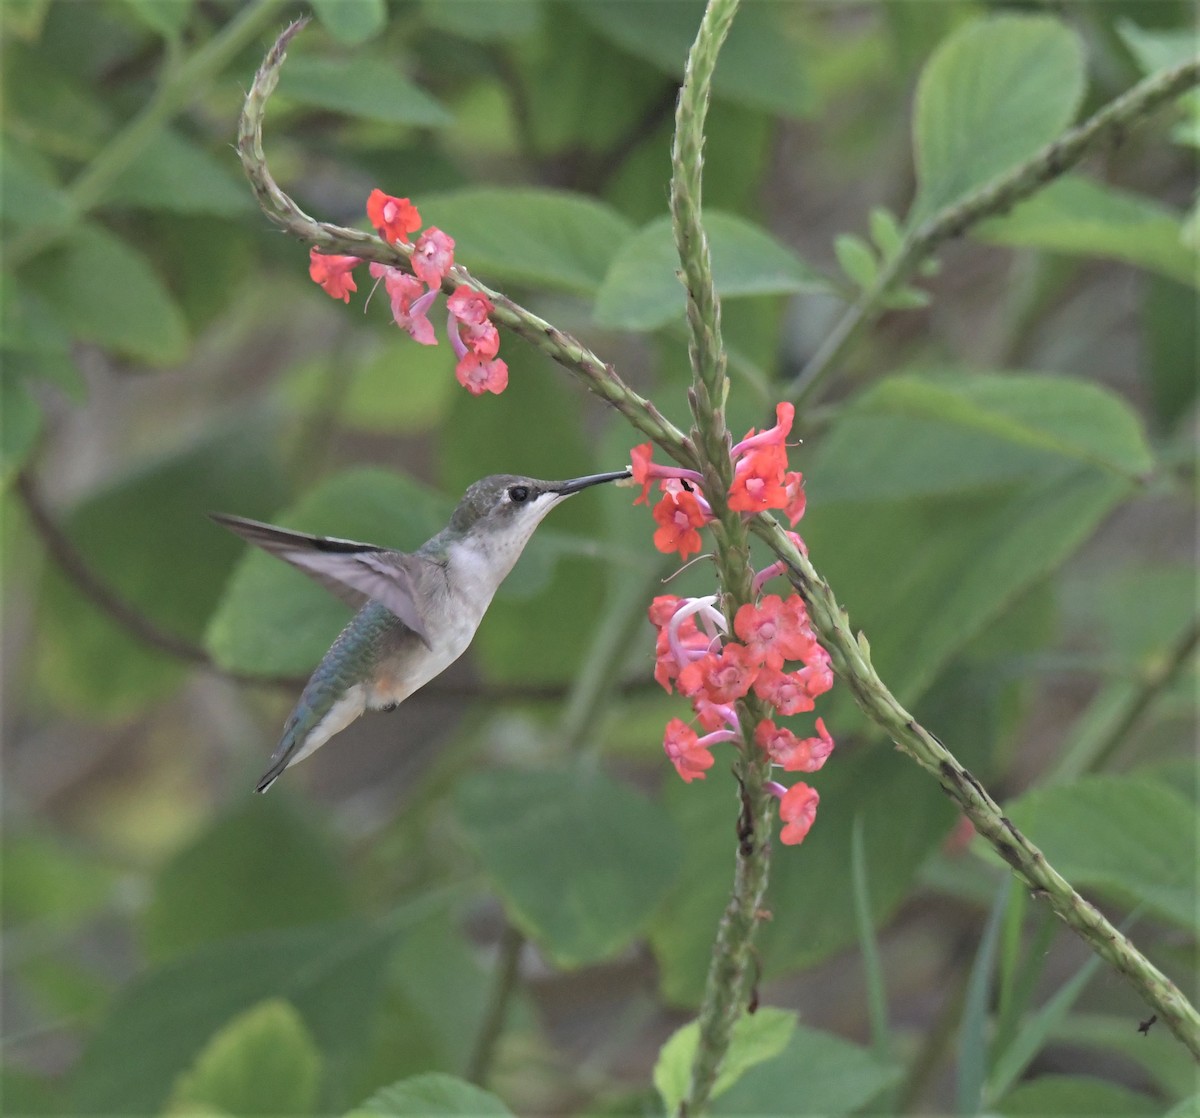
(518, 493)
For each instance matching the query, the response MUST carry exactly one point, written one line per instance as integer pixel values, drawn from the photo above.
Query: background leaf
(429, 1095)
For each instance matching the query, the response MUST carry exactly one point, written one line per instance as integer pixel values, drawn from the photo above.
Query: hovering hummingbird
(417, 612)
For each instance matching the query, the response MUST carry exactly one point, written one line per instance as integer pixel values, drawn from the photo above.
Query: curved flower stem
(989, 200)
(852, 663)
(572, 355)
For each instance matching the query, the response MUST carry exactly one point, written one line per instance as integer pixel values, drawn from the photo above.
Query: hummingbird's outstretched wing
(353, 572)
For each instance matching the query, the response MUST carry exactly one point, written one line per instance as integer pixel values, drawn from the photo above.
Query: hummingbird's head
(509, 507)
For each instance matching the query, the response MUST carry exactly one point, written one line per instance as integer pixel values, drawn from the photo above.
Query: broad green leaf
(260, 864)
(763, 61)
(165, 1016)
(148, 537)
(105, 292)
(544, 237)
(856, 258)
(1079, 215)
(756, 1038)
(174, 174)
(1075, 1095)
(1074, 419)
(351, 21)
(52, 109)
(817, 1073)
(992, 94)
(274, 620)
(264, 1062)
(643, 292)
(367, 88)
(1127, 836)
(885, 232)
(1165, 1062)
(35, 345)
(1187, 1108)
(811, 896)
(1171, 365)
(49, 884)
(167, 17)
(24, 18)
(429, 1095)
(581, 861)
(485, 21)
(20, 424)
(1158, 49)
(29, 194)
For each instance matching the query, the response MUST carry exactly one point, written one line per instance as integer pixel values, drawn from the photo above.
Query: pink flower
(720, 677)
(393, 218)
(793, 486)
(469, 306)
(785, 691)
(482, 340)
(678, 515)
(794, 754)
(433, 256)
(410, 302)
(775, 630)
(478, 375)
(685, 751)
(797, 809)
(645, 471)
(758, 480)
(333, 273)
(772, 436)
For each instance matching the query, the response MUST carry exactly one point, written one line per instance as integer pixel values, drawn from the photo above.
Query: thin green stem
(993, 198)
(572, 355)
(852, 662)
(182, 85)
(504, 984)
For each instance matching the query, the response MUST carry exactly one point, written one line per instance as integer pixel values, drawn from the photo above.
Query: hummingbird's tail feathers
(354, 572)
(271, 775)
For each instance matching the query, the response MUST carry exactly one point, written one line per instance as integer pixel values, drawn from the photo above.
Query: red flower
(687, 753)
(640, 456)
(663, 608)
(470, 306)
(478, 375)
(721, 677)
(678, 515)
(775, 630)
(393, 218)
(410, 302)
(482, 340)
(797, 809)
(758, 480)
(785, 691)
(795, 754)
(793, 486)
(333, 273)
(433, 256)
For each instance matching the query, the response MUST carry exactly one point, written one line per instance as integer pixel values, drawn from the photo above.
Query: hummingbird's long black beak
(566, 488)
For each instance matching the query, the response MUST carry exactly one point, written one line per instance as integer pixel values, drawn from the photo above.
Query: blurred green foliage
(996, 486)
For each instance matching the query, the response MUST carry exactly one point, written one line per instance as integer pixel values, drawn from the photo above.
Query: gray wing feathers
(353, 572)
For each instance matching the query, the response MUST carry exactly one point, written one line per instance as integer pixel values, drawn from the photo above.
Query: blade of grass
(877, 1005)
(972, 1045)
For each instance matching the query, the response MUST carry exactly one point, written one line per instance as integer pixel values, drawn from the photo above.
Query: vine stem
(991, 199)
(852, 664)
(851, 654)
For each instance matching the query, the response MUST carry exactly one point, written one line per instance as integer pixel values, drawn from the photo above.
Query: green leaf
(24, 18)
(273, 619)
(485, 21)
(992, 94)
(1171, 336)
(351, 21)
(1070, 1095)
(1121, 835)
(548, 238)
(368, 88)
(885, 232)
(20, 424)
(264, 1062)
(1080, 215)
(1187, 1108)
(148, 537)
(431, 1094)
(35, 345)
(166, 17)
(755, 1038)
(1165, 1062)
(48, 883)
(1158, 49)
(856, 258)
(164, 1017)
(817, 1073)
(642, 291)
(1074, 419)
(29, 194)
(260, 864)
(581, 861)
(763, 61)
(174, 174)
(105, 292)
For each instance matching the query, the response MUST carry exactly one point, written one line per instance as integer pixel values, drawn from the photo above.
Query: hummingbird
(416, 611)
